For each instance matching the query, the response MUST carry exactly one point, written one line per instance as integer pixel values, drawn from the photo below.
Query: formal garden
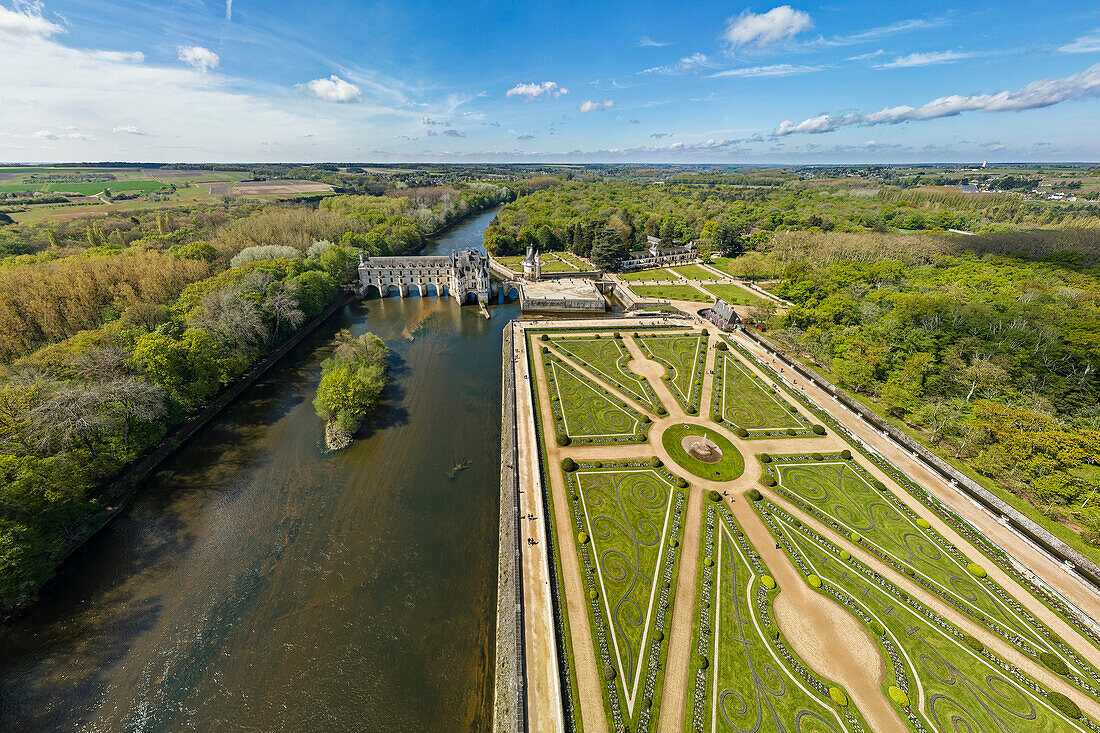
(695, 272)
(746, 677)
(644, 275)
(606, 356)
(587, 413)
(628, 525)
(684, 357)
(748, 406)
(671, 292)
(938, 678)
(846, 497)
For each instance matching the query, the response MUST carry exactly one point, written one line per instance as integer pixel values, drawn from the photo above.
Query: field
(742, 400)
(670, 292)
(734, 294)
(694, 272)
(937, 677)
(587, 413)
(749, 684)
(683, 357)
(659, 274)
(89, 189)
(607, 358)
(628, 526)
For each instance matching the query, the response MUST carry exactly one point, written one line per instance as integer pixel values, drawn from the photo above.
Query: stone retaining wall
(509, 710)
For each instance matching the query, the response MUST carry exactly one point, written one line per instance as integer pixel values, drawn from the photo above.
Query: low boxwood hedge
(1064, 705)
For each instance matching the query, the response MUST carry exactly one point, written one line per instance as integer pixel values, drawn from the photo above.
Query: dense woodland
(114, 329)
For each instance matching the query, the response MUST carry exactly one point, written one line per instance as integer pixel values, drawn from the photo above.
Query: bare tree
(284, 309)
(225, 313)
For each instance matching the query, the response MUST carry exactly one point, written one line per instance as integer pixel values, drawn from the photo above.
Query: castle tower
(532, 266)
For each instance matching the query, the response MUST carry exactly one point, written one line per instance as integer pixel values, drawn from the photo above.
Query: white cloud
(926, 59)
(534, 90)
(228, 11)
(454, 133)
(201, 58)
(902, 26)
(72, 134)
(25, 19)
(647, 42)
(594, 106)
(1088, 43)
(764, 29)
(773, 70)
(129, 130)
(135, 56)
(333, 89)
(1037, 94)
(865, 56)
(686, 65)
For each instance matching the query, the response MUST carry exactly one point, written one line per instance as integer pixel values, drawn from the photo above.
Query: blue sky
(242, 80)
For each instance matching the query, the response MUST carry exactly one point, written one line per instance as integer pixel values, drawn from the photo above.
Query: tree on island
(351, 381)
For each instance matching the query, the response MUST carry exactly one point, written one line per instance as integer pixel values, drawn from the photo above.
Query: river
(258, 583)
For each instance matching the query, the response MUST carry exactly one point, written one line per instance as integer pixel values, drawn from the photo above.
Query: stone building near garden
(657, 256)
(463, 274)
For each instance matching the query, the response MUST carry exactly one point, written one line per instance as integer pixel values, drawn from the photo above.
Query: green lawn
(574, 260)
(734, 294)
(748, 684)
(846, 497)
(729, 467)
(607, 358)
(626, 518)
(743, 401)
(553, 264)
(588, 413)
(955, 683)
(683, 356)
(116, 186)
(670, 292)
(659, 274)
(695, 272)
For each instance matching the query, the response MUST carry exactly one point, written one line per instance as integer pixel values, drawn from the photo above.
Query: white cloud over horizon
(1036, 95)
(1088, 43)
(333, 89)
(589, 105)
(535, 90)
(927, 59)
(772, 70)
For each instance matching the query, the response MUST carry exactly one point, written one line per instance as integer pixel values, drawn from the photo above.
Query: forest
(114, 329)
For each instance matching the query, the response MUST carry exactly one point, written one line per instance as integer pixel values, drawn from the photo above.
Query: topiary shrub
(742, 433)
(720, 346)
(674, 543)
(877, 628)
(659, 635)
(768, 480)
(714, 495)
(703, 661)
(973, 643)
(609, 673)
(646, 419)
(792, 432)
(837, 695)
(879, 485)
(593, 594)
(563, 439)
(596, 336)
(813, 581)
(618, 335)
(708, 562)
(716, 416)
(647, 702)
(1053, 662)
(908, 570)
(681, 482)
(598, 464)
(845, 555)
(846, 454)
(898, 695)
(923, 523)
(544, 337)
(693, 410)
(817, 457)
(976, 570)
(661, 410)
(655, 462)
(568, 465)
(854, 537)
(768, 582)
(1064, 705)
(765, 458)
(819, 429)
(754, 494)
(582, 538)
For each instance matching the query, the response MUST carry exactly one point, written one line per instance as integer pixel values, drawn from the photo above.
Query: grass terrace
(846, 497)
(743, 680)
(671, 292)
(658, 274)
(628, 528)
(684, 357)
(587, 413)
(606, 357)
(734, 294)
(694, 272)
(937, 677)
(742, 401)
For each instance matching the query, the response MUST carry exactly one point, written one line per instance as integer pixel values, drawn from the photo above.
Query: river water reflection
(257, 583)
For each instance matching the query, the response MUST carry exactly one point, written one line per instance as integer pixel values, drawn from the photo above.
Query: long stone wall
(509, 710)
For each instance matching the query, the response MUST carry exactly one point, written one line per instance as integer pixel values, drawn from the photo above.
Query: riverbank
(123, 487)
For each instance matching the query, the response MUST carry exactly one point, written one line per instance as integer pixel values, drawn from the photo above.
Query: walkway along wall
(1034, 533)
(509, 700)
(130, 479)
